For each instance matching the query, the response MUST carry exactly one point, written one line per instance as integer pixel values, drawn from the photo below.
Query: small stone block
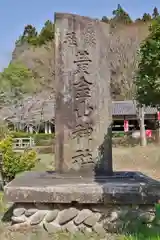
(51, 227)
(91, 220)
(71, 227)
(98, 228)
(67, 215)
(30, 212)
(20, 219)
(18, 212)
(37, 217)
(83, 214)
(51, 216)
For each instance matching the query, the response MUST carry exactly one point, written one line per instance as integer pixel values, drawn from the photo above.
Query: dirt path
(144, 159)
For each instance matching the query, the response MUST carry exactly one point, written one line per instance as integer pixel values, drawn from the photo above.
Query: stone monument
(71, 198)
(83, 102)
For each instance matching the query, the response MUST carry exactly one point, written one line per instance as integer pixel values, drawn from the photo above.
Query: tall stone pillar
(83, 102)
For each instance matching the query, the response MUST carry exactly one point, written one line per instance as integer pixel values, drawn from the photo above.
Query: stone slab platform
(51, 187)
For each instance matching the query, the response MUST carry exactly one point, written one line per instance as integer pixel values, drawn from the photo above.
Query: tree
(105, 19)
(121, 16)
(146, 17)
(138, 20)
(124, 43)
(16, 81)
(141, 117)
(47, 33)
(14, 163)
(155, 13)
(29, 31)
(148, 74)
(40, 61)
(29, 35)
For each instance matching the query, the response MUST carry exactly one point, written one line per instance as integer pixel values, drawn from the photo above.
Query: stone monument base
(102, 204)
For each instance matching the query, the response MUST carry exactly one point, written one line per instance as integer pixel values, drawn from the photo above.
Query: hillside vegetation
(36, 50)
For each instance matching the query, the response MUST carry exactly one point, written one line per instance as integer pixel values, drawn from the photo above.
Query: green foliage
(31, 36)
(16, 80)
(118, 134)
(121, 16)
(146, 17)
(157, 208)
(4, 131)
(138, 20)
(15, 163)
(38, 138)
(155, 13)
(29, 31)
(148, 75)
(105, 19)
(47, 33)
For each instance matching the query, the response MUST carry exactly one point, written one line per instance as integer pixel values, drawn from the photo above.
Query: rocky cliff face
(125, 41)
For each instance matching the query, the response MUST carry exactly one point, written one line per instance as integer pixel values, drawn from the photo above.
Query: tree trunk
(143, 141)
(157, 137)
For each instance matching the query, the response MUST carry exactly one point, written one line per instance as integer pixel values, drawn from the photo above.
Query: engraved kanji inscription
(84, 121)
(82, 62)
(82, 94)
(83, 109)
(82, 153)
(82, 129)
(82, 56)
(89, 35)
(71, 39)
(82, 88)
(83, 157)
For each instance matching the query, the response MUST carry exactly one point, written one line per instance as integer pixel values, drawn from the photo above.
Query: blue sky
(15, 14)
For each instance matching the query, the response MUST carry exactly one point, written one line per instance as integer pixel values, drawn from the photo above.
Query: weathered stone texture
(112, 218)
(83, 102)
(122, 187)
(51, 216)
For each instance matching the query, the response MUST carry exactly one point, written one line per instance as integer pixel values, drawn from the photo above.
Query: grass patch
(140, 236)
(3, 204)
(46, 162)
(144, 233)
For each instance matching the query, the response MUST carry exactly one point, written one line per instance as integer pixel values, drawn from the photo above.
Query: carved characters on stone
(82, 62)
(71, 39)
(84, 122)
(82, 157)
(82, 88)
(89, 35)
(83, 108)
(82, 154)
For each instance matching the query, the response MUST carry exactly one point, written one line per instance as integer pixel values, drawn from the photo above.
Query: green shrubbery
(14, 163)
(118, 134)
(39, 138)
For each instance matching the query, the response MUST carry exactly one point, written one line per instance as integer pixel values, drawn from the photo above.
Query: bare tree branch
(124, 44)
